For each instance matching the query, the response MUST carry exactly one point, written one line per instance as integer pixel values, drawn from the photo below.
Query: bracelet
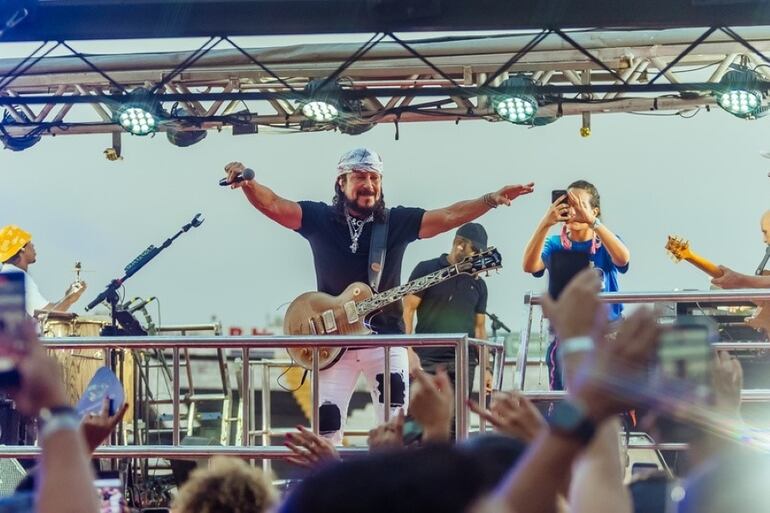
(488, 201)
(597, 223)
(575, 345)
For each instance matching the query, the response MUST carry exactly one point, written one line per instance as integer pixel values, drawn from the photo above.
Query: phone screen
(12, 315)
(556, 194)
(111, 498)
(685, 356)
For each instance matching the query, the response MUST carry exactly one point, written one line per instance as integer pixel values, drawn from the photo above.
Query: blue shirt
(601, 260)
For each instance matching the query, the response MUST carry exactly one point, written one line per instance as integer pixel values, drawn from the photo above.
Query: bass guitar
(679, 249)
(317, 313)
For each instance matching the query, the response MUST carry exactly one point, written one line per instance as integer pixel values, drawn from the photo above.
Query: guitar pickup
(351, 312)
(330, 324)
(311, 325)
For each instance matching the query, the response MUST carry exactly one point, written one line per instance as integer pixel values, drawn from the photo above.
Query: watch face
(567, 416)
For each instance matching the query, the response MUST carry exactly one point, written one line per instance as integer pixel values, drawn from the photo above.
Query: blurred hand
(41, 384)
(578, 312)
(232, 170)
(727, 380)
(512, 414)
(488, 381)
(310, 450)
(605, 381)
(76, 290)
(432, 404)
(509, 193)
(730, 279)
(96, 428)
(389, 435)
(414, 362)
(556, 213)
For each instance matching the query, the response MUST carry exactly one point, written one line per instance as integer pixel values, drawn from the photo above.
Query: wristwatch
(570, 419)
(57, 418)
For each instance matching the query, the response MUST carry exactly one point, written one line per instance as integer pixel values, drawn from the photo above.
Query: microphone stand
(763, 263)
(496, 324)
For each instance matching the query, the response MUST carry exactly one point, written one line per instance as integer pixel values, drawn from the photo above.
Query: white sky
(701, 178)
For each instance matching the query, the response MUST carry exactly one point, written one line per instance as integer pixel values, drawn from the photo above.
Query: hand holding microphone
(237, 175)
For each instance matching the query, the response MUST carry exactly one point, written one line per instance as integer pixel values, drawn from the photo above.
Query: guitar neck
(389, 296)
(704, 265)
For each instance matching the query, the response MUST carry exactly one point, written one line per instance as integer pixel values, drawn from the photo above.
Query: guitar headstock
(486, 260)
(678, 248)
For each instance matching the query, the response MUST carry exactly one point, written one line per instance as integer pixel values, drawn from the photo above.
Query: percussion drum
(78, 366)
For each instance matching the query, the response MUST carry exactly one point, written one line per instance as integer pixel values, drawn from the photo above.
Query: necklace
(356, 227)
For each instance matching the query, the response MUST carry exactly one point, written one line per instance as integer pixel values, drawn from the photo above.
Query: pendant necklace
(356, 227)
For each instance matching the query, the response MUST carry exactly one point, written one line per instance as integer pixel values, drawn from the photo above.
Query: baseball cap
(475, 233)
(12, 239)
(360, 159)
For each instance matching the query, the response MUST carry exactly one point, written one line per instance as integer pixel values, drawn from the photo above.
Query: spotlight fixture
(179, 137)
(519, 108)
(326, 106)
(139, 113)
(17, 142)
(324, 101)
(739, 93)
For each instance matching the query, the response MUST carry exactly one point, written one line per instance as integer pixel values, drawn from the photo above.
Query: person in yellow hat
(17, 252)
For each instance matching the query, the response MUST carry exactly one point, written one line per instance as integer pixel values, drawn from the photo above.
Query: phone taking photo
(685, 358)
(12, 315)
(556, 194)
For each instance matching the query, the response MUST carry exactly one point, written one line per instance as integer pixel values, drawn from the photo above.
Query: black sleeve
(404, 225)
(313, 213)
(481, 306)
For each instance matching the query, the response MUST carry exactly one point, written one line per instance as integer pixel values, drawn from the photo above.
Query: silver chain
(356, 228)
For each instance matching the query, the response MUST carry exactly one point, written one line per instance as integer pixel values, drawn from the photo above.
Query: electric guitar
(317, 313)
(679, 249)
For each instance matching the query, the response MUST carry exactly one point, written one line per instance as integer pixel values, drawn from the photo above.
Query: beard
(353, 207)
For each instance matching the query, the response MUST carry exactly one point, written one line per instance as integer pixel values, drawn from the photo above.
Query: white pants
(338, 382)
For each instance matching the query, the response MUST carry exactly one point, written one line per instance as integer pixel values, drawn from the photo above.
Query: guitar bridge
(351, 312)
(330, 324)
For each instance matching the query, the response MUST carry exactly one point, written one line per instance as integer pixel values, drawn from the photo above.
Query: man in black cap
(453, 306)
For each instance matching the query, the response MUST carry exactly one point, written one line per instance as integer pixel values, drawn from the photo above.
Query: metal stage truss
(222, 85)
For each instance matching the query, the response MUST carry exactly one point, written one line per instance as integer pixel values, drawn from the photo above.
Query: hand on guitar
(731, 279)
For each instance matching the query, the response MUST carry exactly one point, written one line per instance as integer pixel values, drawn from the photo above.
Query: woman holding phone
(579, 210)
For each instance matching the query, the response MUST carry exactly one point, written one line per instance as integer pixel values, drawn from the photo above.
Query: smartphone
(556, 194)
(12, 315)
(111, 496)
(685, 357)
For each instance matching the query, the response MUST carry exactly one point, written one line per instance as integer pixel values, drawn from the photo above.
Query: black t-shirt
(336, 266)
(449, 307)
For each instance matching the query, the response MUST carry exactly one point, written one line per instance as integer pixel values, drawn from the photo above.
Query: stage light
(324, 101)
(139, 113)
(179, 137)
(739, 93)
(519, 108)
(18, 142)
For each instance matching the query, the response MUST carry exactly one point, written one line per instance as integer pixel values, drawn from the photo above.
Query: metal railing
(460, 342)
(726, 296)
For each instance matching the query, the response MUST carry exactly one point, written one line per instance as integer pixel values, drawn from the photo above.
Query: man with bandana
(339, 235)
(17, 253)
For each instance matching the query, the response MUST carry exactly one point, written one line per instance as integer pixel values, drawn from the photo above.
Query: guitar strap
(378, 247)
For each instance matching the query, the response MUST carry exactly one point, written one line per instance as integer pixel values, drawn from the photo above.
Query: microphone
(141, 304)
(248, 174)
(763, 263)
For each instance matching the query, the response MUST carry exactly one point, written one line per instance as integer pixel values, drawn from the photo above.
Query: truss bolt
(585, 131)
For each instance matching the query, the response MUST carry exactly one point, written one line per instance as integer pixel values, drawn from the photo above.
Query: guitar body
(317, 313)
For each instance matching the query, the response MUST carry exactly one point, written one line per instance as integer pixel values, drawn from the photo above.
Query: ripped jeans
(338, 383)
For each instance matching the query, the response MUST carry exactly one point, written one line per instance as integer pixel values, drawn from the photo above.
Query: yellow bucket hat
(12, 239)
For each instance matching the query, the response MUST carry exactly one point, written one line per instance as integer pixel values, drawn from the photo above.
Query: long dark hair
(591, 190)
(339, 202)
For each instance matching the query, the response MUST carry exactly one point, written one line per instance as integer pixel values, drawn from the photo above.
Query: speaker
(11, 474)
(10, 424)
(182, 468)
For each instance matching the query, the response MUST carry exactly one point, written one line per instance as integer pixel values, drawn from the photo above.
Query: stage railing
(460, 342)
(713, 296)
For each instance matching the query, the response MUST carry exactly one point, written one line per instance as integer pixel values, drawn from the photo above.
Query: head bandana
(360, 159)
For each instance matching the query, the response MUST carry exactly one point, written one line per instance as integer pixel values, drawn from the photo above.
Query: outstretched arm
(284, 212)
(444, 219)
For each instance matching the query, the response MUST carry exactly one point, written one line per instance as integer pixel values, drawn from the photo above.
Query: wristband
(58, 418)
(597, 223)
(571, 345)
(488, 201)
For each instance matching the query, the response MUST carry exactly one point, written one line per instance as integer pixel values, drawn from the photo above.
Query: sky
(701, 178)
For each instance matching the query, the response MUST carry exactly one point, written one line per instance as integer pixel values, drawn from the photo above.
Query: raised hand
(432, 404)
(727, 380)
(232, 170)
(512, 414)
(310, 450)
(389, 435)
(97, 427)
(509, 193)
(556, 213)
(581, 209)
(578, 312)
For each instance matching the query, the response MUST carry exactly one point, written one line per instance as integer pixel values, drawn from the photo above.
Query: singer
(760, 280)
(339, 235)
